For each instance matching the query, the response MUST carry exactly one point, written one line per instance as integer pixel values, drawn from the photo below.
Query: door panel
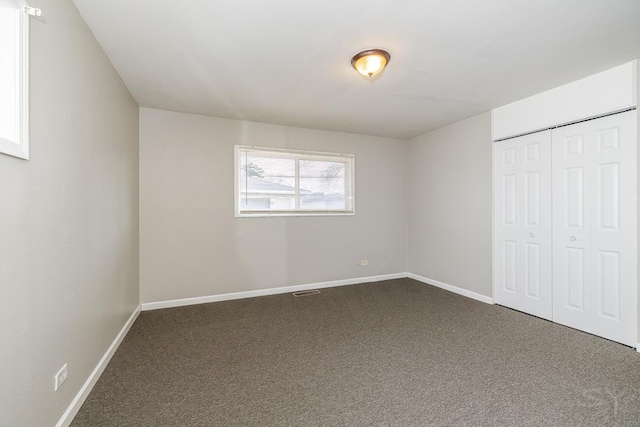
(523, 221)
(608, 286)
(532, 270)
(510, 267)
(575, 278)
(608, 196)
(509, 200)
(574, 197)
(594, 217)
(532, 199)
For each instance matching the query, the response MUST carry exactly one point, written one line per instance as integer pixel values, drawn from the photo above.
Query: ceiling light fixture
(370, 62)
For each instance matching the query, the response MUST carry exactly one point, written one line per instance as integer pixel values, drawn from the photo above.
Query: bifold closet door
(523, 223)
(594, 216)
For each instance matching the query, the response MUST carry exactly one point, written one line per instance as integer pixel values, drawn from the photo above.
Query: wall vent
(305, 293)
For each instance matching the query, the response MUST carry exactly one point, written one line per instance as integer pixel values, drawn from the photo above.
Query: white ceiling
(287, 61)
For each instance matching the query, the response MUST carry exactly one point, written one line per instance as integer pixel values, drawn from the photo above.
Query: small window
(272, 182)
(14, 79)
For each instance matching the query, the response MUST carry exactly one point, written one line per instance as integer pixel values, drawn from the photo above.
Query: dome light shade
(370, 62)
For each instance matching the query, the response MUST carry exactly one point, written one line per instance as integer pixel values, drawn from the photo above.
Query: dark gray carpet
(395, 353)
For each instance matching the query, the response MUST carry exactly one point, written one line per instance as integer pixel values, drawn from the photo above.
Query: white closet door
(594, 216)
(523, 224)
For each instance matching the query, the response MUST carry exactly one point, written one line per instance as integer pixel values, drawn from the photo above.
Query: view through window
(290, 182)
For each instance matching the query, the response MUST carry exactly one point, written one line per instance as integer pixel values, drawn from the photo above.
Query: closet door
(595, 238)
(522, 227)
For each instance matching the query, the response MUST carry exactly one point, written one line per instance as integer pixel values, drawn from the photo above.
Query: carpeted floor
(395, 353)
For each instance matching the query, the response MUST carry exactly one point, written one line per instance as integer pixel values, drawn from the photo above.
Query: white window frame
(348, 159)
(20, 147)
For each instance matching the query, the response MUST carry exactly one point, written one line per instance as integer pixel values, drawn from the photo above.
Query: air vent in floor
(305, 293)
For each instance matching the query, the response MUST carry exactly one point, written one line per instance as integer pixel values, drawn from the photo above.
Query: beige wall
(68, 222)
(192, 245)
(450, 205)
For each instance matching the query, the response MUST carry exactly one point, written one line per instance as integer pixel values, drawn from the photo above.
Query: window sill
(289, 214)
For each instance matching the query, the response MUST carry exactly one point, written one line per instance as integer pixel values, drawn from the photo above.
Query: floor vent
(305, 293)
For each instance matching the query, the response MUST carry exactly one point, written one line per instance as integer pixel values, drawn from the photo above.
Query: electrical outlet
(61, 377)
(364, 262)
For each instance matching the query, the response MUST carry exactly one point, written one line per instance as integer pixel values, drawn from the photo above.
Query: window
(272, 182)
(14, 79)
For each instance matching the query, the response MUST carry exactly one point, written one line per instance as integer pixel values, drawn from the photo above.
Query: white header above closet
(606, 92)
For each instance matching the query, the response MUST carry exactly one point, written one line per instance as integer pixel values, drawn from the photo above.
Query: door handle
(572, 238)
(532, 234)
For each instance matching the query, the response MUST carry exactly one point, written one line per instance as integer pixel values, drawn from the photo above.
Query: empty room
(319, 213)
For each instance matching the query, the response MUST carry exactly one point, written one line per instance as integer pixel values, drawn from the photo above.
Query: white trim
(24, 87)
(493, 225)
(77, 401)
(596, 95)
(293, 213)
(271, 291)
(20, 147)
(157, 305)
(638, 347)
(451, 288)
(348, 159)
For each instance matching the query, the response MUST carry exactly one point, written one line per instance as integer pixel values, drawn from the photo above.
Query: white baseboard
(262, 292)
(451, 288)
(156, 305)
(77, 401)
(638, 347)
